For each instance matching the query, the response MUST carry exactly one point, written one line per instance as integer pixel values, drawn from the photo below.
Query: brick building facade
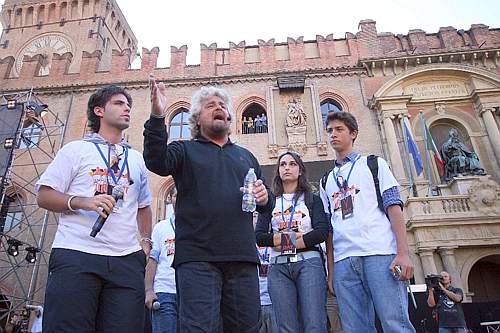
(65, 50)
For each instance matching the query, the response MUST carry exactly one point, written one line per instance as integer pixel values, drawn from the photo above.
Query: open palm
(158, 97)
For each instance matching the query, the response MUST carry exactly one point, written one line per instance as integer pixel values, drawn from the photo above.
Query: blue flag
(412, 147)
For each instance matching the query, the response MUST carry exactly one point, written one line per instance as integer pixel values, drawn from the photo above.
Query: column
(427, 258)
(450, 265)
(492, 130)
(392, 143)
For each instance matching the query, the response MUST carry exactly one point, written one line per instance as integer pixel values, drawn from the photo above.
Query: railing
(453, 206)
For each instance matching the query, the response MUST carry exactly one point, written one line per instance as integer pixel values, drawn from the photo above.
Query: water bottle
(248, 203)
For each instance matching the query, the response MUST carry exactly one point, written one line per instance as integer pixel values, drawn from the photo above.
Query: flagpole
(427, 158)
(407, 157)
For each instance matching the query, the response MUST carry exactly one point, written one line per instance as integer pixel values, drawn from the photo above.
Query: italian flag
(431, 147)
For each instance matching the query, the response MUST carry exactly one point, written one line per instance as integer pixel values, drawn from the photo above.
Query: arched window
(179, 125)
(254, 120)
(327, 106)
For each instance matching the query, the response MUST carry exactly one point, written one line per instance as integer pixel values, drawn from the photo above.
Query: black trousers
(94, 293)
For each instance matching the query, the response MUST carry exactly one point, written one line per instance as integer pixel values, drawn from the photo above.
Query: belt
(286, 259)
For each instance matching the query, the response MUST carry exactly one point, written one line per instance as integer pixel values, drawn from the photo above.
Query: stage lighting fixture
(38, 109)
(31, 255)
(13, 248)
(8, 143)
(11, 104)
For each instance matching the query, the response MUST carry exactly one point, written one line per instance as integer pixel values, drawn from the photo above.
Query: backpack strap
(323, 185)
(372, 161)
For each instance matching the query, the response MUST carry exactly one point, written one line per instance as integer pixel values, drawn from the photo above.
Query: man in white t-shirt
(369, 240)
(96, 282)
(160, 275)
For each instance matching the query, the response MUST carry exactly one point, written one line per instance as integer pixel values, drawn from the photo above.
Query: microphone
(117, 195)
(156, 305)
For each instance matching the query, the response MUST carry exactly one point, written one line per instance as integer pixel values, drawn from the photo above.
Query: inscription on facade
(436, 90)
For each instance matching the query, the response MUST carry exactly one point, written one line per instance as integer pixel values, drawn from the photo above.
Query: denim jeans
(451, 330)
(164, 320)
(298, 293)
(208, 292)
(364, 285)
(268, 323)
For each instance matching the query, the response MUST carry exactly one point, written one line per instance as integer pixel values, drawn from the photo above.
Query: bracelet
(148, 240)
(69, 203)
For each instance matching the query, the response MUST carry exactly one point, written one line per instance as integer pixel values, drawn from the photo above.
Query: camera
(432, 281)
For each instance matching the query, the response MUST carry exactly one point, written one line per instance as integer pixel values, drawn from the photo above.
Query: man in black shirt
(449, 308)
(215, 260)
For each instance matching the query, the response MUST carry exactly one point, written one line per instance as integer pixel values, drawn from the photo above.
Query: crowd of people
(308, 263)
(251, 125)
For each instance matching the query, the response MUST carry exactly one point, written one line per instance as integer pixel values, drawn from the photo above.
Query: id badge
(347, 207)
(288, 243)
(263, 269)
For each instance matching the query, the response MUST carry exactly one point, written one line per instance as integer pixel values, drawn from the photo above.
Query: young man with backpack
(371, 260)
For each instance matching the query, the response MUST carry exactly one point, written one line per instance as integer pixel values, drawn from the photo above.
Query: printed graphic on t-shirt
(337, 197)
(104, 182)
(170, 246)
(281, 221)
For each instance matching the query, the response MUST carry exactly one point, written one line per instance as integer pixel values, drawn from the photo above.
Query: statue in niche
(458, 158)
(296, 116)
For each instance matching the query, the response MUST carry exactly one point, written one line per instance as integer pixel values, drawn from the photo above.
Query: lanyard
(291, 212)
(110, 171)
(172, 223)
(346, 181)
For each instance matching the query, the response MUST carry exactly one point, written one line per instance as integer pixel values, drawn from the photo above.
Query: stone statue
(296, 116)
(458, 158)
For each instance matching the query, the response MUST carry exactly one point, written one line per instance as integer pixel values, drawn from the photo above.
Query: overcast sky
(164, 23)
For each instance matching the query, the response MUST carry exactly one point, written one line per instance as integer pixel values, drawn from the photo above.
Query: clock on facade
(46, 45)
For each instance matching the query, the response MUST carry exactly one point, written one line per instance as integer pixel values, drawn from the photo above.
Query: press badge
(347, 206)
(263, 269)
(288, 243)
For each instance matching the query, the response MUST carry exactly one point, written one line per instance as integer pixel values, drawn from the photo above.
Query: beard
(220, 129)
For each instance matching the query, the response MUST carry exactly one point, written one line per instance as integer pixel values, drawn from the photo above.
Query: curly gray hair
(196, 102)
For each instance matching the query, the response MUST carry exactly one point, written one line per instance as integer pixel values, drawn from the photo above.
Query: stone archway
(484, 279)
(440, 86)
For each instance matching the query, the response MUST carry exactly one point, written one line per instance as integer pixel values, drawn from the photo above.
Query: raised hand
(158, 97)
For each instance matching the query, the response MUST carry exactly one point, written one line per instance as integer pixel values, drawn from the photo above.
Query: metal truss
(39, 136)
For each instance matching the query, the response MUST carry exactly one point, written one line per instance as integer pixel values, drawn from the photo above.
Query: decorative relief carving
(485, 196)
(296, 116)
(440, 108)
(322, 149)
(273, 151)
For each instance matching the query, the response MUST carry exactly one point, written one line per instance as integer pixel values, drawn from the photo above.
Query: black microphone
(117, 194)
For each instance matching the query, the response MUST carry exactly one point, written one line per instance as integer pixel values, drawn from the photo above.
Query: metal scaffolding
(24, 227)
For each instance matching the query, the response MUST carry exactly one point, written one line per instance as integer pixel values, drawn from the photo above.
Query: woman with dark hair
(295, 228)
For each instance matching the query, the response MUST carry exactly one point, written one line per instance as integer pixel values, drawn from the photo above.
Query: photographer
(446, 299)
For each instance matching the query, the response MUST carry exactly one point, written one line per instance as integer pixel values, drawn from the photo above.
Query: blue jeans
(208, 292)
(164, 320)
(364, 285)
(268, 323)
(298, 293)
(451, 330)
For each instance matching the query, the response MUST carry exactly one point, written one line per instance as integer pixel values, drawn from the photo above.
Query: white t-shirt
(264, 256)
(37, 322)
(301, 221)
(163, 252)
(78, 169)
(368, 231)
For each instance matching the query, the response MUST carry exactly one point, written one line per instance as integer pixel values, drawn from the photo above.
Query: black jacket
(210, 224)
(319, 223)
